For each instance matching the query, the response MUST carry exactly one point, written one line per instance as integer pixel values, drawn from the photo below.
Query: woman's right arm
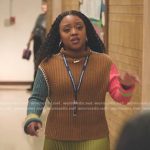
(36, 104)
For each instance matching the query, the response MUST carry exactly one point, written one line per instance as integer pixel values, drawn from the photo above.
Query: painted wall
(13, 39)
(146, 57)
(125, 46)
(56, 8)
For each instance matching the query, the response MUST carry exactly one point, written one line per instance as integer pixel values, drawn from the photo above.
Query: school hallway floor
(13, 106)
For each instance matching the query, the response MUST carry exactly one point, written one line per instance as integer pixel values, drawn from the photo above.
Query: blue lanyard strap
(75, 87)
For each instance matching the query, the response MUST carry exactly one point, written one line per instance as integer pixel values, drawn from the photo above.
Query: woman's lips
(75, 40)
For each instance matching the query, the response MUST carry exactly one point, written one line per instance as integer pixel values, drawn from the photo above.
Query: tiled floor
(13, 105)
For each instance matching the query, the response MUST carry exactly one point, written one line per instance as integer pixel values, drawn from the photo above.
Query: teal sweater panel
(39, 95)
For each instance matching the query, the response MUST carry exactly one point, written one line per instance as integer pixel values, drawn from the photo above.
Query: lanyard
(75, 87)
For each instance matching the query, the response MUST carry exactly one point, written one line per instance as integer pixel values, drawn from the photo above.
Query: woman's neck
(76, 53)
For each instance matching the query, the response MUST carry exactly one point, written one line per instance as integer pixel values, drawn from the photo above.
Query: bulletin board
(97, 11)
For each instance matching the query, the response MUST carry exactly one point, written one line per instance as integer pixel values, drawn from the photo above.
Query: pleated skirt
(99, 144)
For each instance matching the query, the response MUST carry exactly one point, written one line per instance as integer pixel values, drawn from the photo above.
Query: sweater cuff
(126, 92)
(31, 118)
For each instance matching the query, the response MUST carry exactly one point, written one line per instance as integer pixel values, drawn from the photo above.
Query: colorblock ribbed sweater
(90, 122)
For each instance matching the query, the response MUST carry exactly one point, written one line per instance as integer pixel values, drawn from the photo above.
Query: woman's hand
(33, 128)
(128, 80)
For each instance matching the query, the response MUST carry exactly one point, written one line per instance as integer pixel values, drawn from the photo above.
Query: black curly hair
(51, 45)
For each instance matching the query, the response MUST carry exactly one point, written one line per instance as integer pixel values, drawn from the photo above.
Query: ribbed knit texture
(90, 122)
(37, 100)
(100, 144)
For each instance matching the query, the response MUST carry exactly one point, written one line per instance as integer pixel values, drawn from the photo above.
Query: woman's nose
(73, 31)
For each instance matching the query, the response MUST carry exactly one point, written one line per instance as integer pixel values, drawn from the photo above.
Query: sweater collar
(76, 55)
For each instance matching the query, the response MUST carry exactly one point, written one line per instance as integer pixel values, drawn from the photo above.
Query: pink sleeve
(116, 91)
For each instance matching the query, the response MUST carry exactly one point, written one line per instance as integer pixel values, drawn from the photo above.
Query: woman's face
(73, 33)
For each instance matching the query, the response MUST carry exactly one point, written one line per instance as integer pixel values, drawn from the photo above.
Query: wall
(125, 47)
(14, 39)
(68, 5)
(146, 56)
(54, 9)
(57, 6)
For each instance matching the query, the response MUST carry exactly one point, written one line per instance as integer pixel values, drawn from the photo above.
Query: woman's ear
(60, 44)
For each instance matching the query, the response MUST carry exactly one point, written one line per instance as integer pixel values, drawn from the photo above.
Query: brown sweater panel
(90, 122)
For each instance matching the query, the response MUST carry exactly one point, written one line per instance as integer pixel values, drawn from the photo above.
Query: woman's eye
(66, 29)
(79, 27)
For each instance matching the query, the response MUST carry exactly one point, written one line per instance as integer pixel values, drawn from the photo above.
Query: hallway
(128, 43)
(13, 104)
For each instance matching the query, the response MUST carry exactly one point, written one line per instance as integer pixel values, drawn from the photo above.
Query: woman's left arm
(121, 88)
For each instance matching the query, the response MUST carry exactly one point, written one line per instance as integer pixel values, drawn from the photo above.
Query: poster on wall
(95, 10)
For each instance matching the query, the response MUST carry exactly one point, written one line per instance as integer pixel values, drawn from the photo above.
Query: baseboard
(15, 82)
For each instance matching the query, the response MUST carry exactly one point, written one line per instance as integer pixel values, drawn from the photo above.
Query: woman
(76, 78)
